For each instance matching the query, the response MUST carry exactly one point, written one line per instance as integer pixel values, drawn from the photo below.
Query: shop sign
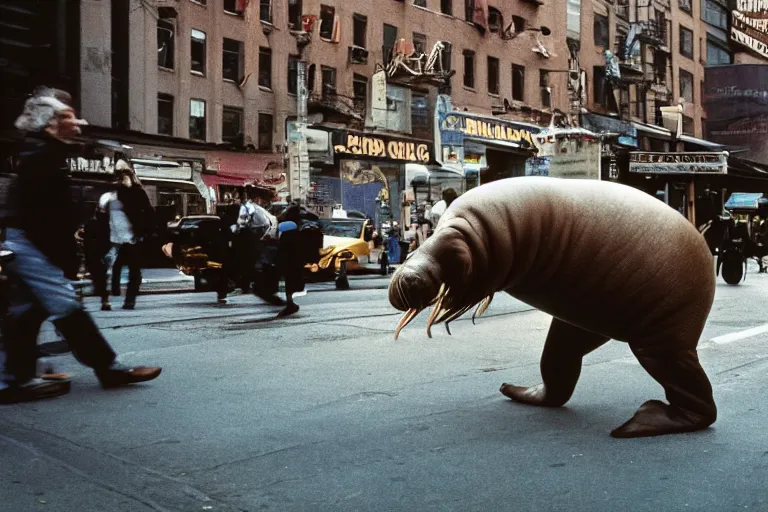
(678, 163)
(383, 147)
(182, 172)
(749, 25)
(95, 165)
(454, 126)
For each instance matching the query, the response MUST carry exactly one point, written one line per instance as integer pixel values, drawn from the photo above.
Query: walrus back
(597, 254)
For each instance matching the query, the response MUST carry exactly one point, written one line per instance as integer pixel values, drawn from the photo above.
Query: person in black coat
(40, 231)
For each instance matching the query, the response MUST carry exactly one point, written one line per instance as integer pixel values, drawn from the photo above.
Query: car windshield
(347, 228)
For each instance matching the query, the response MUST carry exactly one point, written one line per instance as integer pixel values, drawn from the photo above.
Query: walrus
(605, 260)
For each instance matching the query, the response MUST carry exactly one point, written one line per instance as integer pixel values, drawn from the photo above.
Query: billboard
(749, 25)
(736, 101)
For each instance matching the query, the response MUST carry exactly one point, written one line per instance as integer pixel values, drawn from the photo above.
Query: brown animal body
(605, 260)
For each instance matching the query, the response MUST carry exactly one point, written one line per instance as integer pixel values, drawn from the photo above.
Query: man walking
(46, 259)
(130, 217)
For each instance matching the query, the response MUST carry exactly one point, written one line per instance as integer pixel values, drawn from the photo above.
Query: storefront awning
(699, 142)
(653, 130)
(744, 201)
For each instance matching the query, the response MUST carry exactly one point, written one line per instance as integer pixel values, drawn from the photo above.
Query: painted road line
(740, 335)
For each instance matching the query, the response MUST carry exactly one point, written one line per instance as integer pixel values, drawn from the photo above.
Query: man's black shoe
(36, 389)
(289, 310)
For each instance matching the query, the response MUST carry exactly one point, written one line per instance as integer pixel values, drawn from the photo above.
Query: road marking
(740, 335)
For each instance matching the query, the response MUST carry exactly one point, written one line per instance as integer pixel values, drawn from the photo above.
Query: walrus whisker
(405, 320)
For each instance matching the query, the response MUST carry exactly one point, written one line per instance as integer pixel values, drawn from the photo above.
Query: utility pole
(298, 153)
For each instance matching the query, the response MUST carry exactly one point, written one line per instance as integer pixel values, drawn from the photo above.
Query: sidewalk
(170, 280)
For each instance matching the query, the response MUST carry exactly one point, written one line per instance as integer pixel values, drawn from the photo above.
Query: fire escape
(644, 58)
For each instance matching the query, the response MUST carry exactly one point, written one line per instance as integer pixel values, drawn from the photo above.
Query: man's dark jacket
(43, 201)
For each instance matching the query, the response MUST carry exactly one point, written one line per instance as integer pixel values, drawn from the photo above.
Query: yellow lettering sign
(379, 148)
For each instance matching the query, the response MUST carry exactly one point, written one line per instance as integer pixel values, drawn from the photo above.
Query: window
(265, 68)
(265, 131)
(493, 75)
(201, 2)
(546, 92)
(294, 14)
(390, 37)
(717, 55)
(327, 17)
(686, 86)
(686, 6)
(519, 23)
(518, 82)
(714, 14)
(446, 7)
(165, 47)
(419, 43)
(233, 7)
(360, 90)
(359, 29)
(469, 10)
(686, 42)
(164, 114)
(232, 60)
(328, 81)
(495, 20)
(265, 11)
(420, 3)
(601, 31)
(598, 87)
(197, 123)
(420, 115)
(446, 56)
(293, 74)
(469, 69)
(198, 52)
(232, 124)
(688, 125)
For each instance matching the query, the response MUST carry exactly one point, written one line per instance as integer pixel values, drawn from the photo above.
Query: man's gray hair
(39, 110)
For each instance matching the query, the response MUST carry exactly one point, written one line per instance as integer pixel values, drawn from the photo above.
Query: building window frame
(294, 14)
(686, 6)
(446, 7)
(712, 13)
(233, 112)
(265, 68)
(686, 77)
(327, 21)
(599, 93)
(234, 54)
(266, 11)
(166, 59)
(493, 66)
(360, 91)
(199, 44)
(518, 82)
(198, 124)
(327, 81)
(230, 7)
(469, 68)
(686, 36)
(420, 116)
(165, 114)
(293, 74)
(266, 131)
(419, 42)
(360, 30)
(601, 31)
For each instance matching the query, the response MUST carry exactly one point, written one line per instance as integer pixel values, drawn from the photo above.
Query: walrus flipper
(564, 349)
(691, 404)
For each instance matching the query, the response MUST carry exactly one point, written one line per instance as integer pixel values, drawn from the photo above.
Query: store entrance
(503, 164)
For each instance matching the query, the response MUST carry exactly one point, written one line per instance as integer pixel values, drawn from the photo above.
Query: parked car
(345, 249)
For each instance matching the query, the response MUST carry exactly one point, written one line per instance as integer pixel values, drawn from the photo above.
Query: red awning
(213, 180)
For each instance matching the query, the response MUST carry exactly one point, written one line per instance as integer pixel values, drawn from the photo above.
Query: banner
(678, 163)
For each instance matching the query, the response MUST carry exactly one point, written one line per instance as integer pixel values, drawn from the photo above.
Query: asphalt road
(324, 411)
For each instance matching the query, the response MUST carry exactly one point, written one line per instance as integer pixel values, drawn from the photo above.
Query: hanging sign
(678, 163)
(749, 25)
(380, 146)
(494, 130)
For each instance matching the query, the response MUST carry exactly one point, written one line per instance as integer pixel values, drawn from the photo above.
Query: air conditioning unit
(357, 55)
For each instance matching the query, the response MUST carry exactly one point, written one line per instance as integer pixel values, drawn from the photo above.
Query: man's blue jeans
(39, 290)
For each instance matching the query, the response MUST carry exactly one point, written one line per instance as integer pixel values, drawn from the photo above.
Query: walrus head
(439, 274)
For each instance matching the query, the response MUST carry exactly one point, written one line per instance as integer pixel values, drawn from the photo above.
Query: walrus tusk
(405, 320)
(437, 309)
(482, 308)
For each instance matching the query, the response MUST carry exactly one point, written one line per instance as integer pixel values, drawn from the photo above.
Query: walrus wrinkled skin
(607, 261)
